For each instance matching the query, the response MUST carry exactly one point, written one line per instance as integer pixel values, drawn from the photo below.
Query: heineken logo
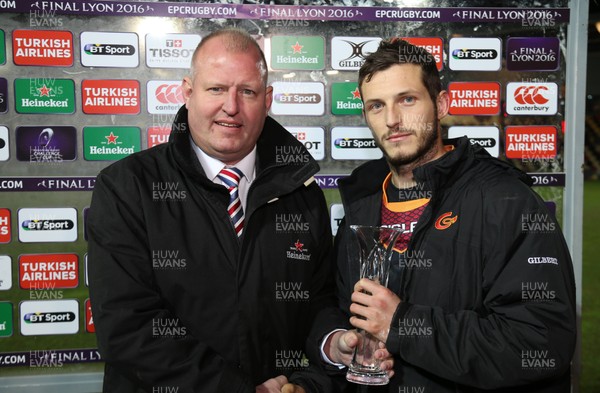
(345, 98)
(2, 48)
(110, 143)
(43, 95)
(297, 53)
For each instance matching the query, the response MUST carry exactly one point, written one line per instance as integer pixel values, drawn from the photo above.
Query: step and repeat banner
(86, 83)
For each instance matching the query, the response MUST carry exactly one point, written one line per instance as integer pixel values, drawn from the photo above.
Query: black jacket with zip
(487, 286)
(180, 304)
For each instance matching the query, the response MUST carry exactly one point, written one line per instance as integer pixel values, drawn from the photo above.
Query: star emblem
(356, 94)
(297, 47)
(44, 91)
(298, 245)
(112, 138)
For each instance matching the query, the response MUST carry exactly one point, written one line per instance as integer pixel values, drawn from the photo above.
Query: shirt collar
(212, 166)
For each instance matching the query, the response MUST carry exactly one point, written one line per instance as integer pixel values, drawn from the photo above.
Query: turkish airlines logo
(445, 221)
(531, 98)
(164, 97)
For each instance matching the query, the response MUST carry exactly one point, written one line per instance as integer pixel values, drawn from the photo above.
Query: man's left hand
(291, 388)
(376, 304)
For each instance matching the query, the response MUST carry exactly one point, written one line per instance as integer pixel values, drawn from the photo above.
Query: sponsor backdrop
(85, 83)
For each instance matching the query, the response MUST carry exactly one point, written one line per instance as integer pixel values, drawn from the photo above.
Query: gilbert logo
(297, 53)
(474, 98)
(445, 220)
(531, 98)
(164, 97)
(433, 45)
(43, 48)
(348, 53)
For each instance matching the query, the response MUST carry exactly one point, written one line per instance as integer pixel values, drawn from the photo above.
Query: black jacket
(488, 302)
(178, 301)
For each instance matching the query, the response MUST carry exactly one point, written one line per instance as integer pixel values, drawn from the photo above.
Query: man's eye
(248, 92)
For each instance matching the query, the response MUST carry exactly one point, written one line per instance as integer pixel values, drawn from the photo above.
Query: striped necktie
(231, 178)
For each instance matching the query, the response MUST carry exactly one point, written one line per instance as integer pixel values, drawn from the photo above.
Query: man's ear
(443, 104)
(269, 97)
(186, 87)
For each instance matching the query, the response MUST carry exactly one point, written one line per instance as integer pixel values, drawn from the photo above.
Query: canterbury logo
(531, 95)
(445, 220)
(169, 94)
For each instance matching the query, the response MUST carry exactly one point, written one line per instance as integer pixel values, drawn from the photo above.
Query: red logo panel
(433, 45)
(48, 271)
(113, 97)
(474, 98)
(531, 142)
(5, 233)
(43, 48)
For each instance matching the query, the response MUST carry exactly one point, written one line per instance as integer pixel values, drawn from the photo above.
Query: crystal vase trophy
(376, 245)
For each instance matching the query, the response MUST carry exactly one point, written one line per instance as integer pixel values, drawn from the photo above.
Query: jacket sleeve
(524, 330)
(315, 379)
(127, 305)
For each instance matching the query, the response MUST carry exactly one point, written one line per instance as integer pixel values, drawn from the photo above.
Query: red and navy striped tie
(231, 177)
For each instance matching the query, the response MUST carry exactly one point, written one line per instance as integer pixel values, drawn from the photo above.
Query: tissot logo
(301, 98)
(484, 136)
(533, 54)
(53, 144)
(4, 144)
(433, 45)
(348, 53)
(474, 98)
(100, 49)
(47, 225)
(475, 54)
(164, 97)
(120, 97)
(110, 143)
(44, 95)
(313, 138)
(353, 143)
(43, 317)
(531, 142)
(531, 98)
(170, 50)
(43, 48)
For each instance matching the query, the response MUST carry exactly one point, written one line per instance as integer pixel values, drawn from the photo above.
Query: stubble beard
(425, 150)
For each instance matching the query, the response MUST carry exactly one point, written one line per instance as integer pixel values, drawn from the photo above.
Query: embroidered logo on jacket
(445, 220)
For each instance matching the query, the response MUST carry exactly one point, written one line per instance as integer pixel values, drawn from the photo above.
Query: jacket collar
(276, 149)
(367, 179)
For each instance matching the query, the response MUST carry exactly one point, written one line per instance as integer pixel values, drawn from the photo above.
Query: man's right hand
(339, 348)
(272, 385)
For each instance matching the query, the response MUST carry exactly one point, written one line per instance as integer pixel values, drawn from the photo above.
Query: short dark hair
(397, 51)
